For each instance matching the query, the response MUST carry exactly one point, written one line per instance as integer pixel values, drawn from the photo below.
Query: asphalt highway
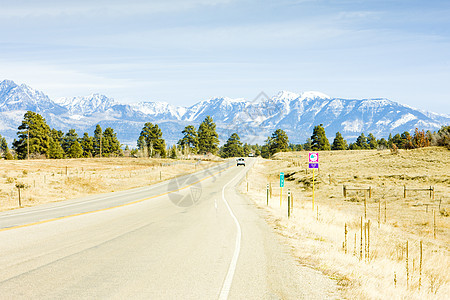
(193, 237)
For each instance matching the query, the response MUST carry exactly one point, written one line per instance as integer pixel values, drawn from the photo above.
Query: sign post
(313, 164)
(281, 186)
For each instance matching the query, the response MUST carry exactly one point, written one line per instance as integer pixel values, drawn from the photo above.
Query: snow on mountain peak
(285, 96)
(314, 95)
(87, 104)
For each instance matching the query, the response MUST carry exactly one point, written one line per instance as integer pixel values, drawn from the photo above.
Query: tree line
(279, 141)
(37, 140)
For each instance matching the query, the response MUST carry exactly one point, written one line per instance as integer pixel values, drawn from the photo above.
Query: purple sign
(313, 165)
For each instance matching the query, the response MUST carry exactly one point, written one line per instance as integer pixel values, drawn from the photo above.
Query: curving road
(193, 237)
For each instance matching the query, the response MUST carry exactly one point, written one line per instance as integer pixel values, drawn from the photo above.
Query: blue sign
(281, 179)
(313, 165)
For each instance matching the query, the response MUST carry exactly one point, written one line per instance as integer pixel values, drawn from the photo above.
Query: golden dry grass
(317, 237)
(57, 180)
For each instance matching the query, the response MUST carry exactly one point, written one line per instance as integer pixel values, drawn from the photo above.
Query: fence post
(345, 192)
(267, 193)
(407, 267)
(289, 203)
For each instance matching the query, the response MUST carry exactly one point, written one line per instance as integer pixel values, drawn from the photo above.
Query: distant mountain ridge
(297, 114)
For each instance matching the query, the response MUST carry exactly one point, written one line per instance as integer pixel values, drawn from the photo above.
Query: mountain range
(254, 121)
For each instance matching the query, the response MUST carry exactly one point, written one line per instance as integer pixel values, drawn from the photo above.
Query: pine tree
(208, 139)
(308, 145)
(361, 142)
(406, 140)
(87, 143)
(3, 145)
(75, 151)
(233, 147)
(98, 141)
(151, 140)
(372, 142)
(34, 136)
(189, 142)
(55, 150)
(319, 139)
(68, 140)
(247, 149)
(339, 143)
(112, 144)
(279, 142)
(173, 152)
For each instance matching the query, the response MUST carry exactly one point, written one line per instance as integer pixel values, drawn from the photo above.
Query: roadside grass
(317, 236)
(56, 180)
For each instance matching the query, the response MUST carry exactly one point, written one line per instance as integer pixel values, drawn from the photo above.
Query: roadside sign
(313, 157)
(313, 160)
(281, 179)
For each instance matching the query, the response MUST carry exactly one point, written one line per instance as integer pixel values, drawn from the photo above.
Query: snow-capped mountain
(94, 103)
(296, 113)
(15, 97)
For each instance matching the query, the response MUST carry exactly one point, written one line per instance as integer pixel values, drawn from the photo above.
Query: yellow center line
(108, 208)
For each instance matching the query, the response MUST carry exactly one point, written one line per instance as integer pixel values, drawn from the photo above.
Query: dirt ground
(370, 263)
(56, 180)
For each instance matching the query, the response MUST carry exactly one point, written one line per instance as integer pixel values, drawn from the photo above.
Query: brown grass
(57, 180)
(319, 242)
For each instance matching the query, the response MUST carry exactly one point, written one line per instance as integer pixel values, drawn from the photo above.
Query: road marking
(237, 248)
(108, 208)
(91, 199)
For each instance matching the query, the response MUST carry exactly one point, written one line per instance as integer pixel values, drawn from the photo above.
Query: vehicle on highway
(240, 162)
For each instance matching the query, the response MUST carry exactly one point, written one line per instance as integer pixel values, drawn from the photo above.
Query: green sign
(281, 179)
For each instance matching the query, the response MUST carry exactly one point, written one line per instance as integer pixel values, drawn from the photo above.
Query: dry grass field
(57, 180)
(372, 263)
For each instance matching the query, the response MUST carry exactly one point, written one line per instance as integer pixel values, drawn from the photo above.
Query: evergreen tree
(443, 137)
(68, 140)
(3, 145)
(406, 140)
(75, 150)
(173, 152)
(265, 151)
(279, 142)
(208, 139)
(151, 140)
(339, 143)
(361, 142)
(247, 149)
(308, 145)
(4, 149)
(383, 144)
(397, 140)
(319, 139)
(7, 155)
(34, 135)
(98, 141)
(372, 142)
(55, 150)
(233, 147)
(87, 143)
(111, 143)
(390, 142)
(189, 142)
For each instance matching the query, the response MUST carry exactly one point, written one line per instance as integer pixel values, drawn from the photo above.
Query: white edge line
(237, 248)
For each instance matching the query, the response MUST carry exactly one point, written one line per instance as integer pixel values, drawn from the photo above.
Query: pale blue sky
(184, 51)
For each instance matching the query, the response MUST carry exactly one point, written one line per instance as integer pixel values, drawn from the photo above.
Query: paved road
(201, 241)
